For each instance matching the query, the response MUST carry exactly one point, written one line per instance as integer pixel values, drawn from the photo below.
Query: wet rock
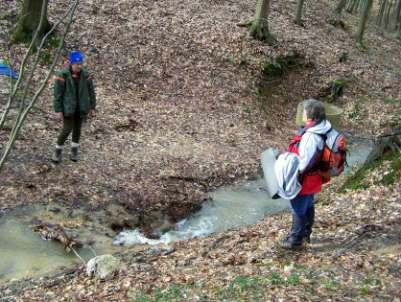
(153, 217)
(159, 251)
(117, 218)
(3, 211)
(103, 266)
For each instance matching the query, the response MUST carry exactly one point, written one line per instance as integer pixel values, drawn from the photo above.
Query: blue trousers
(301, 204)
(303, 214)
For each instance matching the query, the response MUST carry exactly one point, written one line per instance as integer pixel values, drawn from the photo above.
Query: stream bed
(24, 253)
(228, 208)
(235, 206)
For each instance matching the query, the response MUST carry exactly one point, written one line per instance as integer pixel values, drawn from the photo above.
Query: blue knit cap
(76, 57)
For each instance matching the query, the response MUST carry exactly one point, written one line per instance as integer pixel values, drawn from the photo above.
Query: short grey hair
(314, 110)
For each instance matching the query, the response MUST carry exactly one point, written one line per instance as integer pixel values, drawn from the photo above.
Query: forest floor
(183, 108)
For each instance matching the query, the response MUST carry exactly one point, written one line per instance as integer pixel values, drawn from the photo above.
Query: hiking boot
(57, 155)
(295, 239)
(74, 154)
(289, 243)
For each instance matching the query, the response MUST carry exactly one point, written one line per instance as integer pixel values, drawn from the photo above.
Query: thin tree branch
(22, 68)
(17, 127)
(31, 73)
(37, 58)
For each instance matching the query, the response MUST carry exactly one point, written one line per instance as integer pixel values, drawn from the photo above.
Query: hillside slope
(179, 114)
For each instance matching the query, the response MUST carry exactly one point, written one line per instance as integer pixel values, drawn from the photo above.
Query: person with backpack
(320, 152)
(74, 100)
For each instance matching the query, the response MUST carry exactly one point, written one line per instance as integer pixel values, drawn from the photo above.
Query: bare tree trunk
(340, 6)
(28, 21)
(398, 14)
(360, 6)
(399, 31)
(260, 26)
(13, 91)
(362, 21)
(387, 14)
(380, 14)
(298, 17)
(352, 6)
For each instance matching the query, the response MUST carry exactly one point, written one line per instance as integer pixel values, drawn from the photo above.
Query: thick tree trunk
(29, 20)
(298, 17)
(340, 7)
(260, 26)
(362, 21)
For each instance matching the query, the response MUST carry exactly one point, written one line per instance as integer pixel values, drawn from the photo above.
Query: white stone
(102, 266)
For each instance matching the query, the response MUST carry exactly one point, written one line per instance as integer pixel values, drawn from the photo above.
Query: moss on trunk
(29, 20)
(260, 26)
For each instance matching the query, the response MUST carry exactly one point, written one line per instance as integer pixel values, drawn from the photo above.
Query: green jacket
(65, 96)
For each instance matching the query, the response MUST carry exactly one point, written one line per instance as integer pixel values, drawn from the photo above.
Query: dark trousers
(303, 212)
(70, 124)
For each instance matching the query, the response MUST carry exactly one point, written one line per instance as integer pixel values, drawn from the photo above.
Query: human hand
(59, 115)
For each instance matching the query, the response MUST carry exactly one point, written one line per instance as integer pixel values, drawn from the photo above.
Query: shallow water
(23, 253)
(359, 150)
(235, 206)
(229, 207)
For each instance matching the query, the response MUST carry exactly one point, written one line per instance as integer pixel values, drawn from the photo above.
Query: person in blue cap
(74, 100)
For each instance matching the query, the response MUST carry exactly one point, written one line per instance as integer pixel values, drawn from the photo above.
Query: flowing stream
(23, 253)
(228, 208)
(235, 206)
